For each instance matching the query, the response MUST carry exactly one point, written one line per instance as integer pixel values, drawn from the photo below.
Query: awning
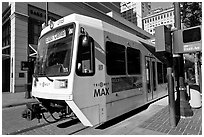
(32, 50)
(5, 56)
(6, 52)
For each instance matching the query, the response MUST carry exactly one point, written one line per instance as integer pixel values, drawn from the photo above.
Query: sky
(164, 5)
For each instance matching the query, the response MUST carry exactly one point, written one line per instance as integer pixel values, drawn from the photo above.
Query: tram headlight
(61, 83)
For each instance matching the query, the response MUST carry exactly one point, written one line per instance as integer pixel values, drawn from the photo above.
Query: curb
(18, 104)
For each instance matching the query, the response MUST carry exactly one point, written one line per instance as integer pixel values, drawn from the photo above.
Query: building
(21, 27)
(135, 11)
(158, 17)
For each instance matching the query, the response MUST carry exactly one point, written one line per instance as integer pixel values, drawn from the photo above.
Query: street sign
(187, 40)
(163, 40)
(24, 65)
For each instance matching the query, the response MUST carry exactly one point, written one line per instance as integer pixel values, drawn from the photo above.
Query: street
(13, 123)
(133, 123)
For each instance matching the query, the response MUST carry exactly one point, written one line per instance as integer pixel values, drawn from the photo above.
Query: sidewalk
(186, 126)
(152, 121)
(155, 121)
(14, 99)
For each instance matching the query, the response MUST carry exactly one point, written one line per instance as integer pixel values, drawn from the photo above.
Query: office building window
(6, 34)
(34, 29)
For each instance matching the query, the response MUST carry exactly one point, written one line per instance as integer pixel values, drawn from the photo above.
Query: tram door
(150, 77)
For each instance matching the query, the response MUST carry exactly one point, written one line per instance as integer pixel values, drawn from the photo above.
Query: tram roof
(102, 24)
(96, 22)
(74, 18)
(90, 21)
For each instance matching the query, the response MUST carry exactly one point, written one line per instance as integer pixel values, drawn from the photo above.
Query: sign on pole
(187, 40)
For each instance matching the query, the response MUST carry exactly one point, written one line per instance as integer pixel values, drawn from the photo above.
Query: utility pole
(46, 15)
(181, 102)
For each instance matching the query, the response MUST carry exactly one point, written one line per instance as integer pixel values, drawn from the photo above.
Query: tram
(93, 70)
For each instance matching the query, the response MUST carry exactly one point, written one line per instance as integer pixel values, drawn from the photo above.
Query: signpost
(163, 43)
(183, 106)
(187, 40)
(24, 65)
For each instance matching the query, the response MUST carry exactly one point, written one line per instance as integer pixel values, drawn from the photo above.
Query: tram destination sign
(56, 36)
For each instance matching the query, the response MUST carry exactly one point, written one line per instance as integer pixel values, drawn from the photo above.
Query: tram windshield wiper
(49, 78)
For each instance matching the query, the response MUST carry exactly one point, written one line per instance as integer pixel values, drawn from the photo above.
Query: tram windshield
(55, 52)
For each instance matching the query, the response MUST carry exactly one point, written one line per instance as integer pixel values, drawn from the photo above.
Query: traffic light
(187, 40)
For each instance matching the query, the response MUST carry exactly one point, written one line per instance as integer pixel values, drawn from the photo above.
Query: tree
(191, 13)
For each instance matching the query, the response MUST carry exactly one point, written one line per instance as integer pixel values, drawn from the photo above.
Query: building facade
(135, 11)
(158, 17)
(21, 27)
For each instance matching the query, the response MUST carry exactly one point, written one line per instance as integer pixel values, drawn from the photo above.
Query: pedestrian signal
(192, 35)
(187, 40)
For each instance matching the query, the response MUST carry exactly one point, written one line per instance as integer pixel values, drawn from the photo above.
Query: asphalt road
(14, 124)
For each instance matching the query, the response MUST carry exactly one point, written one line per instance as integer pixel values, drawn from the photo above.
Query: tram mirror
(85, 40)
(79, 67)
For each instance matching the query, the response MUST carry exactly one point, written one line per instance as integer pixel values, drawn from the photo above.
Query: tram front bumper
(52, 95)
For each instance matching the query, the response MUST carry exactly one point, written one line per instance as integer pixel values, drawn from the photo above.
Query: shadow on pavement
(122, 117)
(68, 123)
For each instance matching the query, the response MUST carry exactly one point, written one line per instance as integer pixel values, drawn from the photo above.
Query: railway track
(63, 127)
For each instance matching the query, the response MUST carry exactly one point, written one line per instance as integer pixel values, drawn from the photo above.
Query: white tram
(95, 70)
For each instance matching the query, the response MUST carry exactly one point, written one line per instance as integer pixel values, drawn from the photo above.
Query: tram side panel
(90, 91)
(124, 96)
(127, 92)
(101, 97)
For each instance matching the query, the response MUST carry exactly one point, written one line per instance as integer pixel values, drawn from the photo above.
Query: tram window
(165, 73)
(159, 72)
(154, 76)
(115, 59)
(148, 75)
(133, 61)
(85, 58)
